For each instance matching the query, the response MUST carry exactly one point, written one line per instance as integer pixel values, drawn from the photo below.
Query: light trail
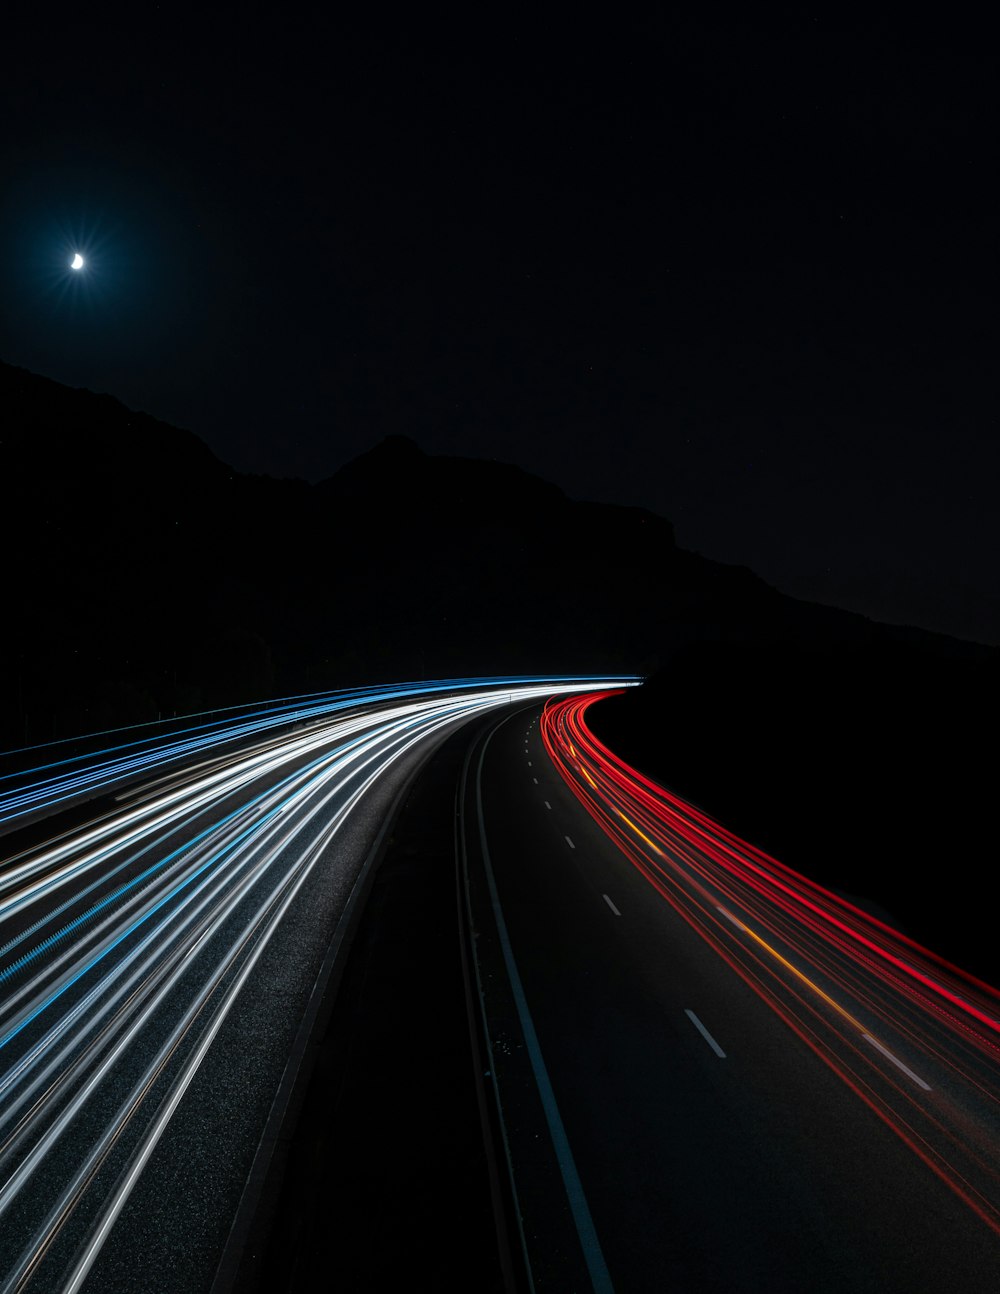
(65, 779)
(914, 1037)
(126, 944)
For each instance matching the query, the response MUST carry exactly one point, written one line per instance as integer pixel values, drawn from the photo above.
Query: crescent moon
(77, 262)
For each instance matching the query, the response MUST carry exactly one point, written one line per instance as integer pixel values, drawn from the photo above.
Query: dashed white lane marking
(569, 842)
(704, 1033)
(590, 1245)
(529, 763)
(547, 805)
(896, 1061)
(611, 906)
(867, 1036)
(535, 780)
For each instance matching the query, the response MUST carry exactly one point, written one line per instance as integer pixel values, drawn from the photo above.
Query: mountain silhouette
(146, 578)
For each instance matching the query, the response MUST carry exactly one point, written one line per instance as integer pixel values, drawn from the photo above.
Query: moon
(77, 262)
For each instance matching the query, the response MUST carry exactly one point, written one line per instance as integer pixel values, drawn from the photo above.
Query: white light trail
(125, 945)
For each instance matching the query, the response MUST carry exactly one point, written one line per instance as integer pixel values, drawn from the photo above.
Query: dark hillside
(145, 578)
(871, 768)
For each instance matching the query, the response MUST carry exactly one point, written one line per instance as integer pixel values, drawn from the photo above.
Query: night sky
(740, 271)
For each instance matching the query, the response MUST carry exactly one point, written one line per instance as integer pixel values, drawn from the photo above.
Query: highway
(710, 1073)
(159, 946)
(698, 1070)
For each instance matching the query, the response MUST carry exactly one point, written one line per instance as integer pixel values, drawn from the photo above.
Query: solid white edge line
(896, 1061)
(611, 906)
(580, 1209)
(704, 1033)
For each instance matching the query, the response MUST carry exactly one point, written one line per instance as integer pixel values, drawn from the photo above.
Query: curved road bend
(699, 1142)
(154, 968)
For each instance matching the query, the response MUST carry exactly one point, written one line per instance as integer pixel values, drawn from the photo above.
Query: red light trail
(913, 1036)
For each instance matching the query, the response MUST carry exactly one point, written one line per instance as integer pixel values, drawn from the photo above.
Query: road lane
(156, 963)
(844, 980)
(762, 1170)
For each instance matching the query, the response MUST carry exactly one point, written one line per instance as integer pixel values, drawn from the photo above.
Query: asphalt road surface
(712, 1075)
(697, 1071)
(157, 958)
